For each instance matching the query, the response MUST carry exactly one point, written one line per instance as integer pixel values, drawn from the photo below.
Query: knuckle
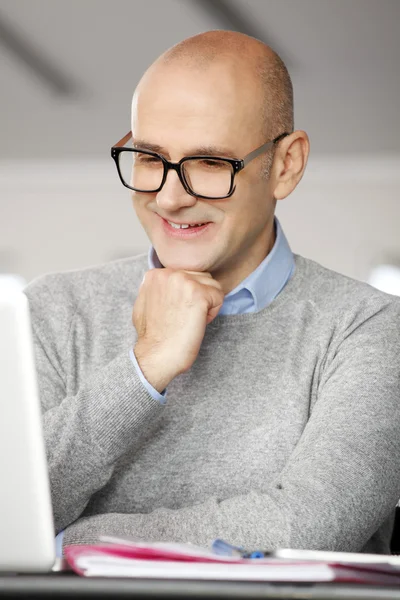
(192, 286)
(155, 277)
(150, 274)
(197, 293)
(147, 278)
(177, 276)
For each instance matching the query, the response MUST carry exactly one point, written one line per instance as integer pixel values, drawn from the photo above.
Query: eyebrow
(197, 151)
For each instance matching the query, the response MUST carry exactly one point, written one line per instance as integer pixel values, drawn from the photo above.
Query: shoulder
(98, 278)
(343, 298)
(61, 293)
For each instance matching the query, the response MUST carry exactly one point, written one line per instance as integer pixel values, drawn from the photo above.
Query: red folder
(126, 558)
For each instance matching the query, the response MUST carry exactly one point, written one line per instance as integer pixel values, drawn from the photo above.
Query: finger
(204, 278)
(212, 283)
(213, 312)
(214, 296)
(204, 273)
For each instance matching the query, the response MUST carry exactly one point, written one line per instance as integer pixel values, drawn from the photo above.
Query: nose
(173, 195)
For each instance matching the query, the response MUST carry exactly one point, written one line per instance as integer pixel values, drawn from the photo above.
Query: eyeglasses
(209, 177)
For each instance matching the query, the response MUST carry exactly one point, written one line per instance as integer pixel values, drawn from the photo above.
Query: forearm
(87, 433)
(290, 517)
(250, 520)
(317, 502)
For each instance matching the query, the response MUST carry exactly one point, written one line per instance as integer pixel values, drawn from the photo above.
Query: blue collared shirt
(253, 294)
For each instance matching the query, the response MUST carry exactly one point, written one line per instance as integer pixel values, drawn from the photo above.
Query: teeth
(184, 225)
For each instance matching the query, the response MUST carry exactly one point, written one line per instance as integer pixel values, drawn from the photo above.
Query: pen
(224, 549)
(256, 554)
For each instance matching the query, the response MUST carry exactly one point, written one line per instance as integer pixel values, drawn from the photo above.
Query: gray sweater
(284, 433)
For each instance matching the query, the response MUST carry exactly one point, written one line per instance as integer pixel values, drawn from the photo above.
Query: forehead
(176, 107)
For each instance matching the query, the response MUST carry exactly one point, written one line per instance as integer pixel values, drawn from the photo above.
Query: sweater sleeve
(85, 433)
(342, 481)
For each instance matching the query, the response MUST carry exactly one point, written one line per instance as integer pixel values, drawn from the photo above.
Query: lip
(184, 234)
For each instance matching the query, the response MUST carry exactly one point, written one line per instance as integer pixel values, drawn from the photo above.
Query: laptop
(27, 542)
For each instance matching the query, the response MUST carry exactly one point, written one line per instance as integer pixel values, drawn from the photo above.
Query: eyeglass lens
(205, 177)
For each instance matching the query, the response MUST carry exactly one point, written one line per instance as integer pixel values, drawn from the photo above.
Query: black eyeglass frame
(236, 164)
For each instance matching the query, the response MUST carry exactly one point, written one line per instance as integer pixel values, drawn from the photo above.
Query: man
(256, 396)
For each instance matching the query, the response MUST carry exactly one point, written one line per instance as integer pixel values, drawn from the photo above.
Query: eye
(148, 159)
(212, 164)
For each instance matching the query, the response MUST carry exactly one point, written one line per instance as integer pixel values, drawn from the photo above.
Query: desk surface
(72, 586)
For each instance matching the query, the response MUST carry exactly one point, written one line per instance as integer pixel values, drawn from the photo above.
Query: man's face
(182, 112)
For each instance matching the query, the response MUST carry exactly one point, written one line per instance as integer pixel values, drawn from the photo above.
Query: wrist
(155, 369)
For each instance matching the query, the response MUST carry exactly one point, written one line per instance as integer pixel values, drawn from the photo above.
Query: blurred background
(67, 73)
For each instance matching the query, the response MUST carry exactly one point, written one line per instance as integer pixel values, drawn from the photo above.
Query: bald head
(224, 88)
(253, 61)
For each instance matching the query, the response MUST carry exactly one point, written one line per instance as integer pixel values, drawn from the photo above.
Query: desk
(74, 587)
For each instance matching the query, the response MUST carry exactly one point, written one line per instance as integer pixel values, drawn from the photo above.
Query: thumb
(213, 312)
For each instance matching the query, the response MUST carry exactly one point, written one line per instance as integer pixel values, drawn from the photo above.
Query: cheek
(136, 200)
(249, 211)
(140, 202)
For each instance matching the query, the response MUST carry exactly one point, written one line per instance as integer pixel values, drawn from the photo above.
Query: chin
(184, 263)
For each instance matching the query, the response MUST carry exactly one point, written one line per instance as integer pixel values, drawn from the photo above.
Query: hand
(170, 317)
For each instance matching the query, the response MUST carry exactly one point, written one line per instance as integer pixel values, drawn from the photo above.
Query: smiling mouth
(185, 230)
(185, 225)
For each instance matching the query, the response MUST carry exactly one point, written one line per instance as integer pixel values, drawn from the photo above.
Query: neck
(243, 265)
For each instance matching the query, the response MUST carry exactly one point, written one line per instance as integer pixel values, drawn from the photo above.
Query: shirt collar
(270, 277)
(266, 281)
(153, 260)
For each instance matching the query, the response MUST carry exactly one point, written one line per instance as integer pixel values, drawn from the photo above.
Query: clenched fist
(170, 317)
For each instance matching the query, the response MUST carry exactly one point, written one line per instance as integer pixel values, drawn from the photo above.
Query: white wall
(64, 215)
(345, 213)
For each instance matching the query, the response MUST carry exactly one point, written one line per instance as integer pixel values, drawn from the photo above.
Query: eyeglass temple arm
(262, 148)
(123, 140)
(246, 159)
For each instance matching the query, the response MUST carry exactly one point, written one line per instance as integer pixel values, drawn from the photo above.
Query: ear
(289, 163)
